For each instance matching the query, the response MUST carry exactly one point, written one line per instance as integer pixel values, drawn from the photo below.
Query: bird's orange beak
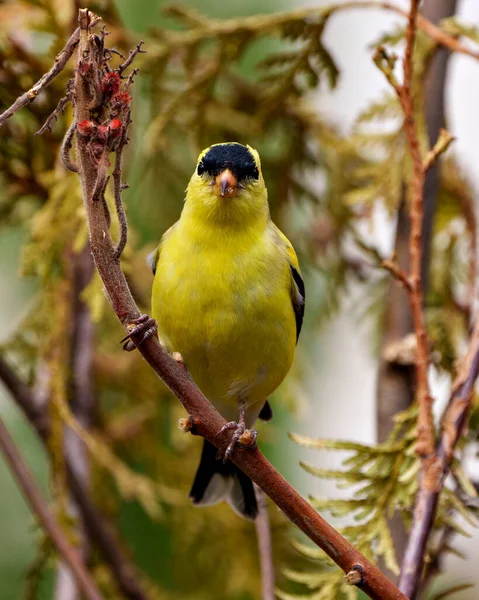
(226, 184)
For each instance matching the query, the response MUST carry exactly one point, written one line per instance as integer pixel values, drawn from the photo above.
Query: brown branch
(425, 433)
(207, 420)
(265, 546)
(24, 397)
(120, 211)
(97, 528)
(60, 61)
(400, 274)
(47, 126)
(31, 493)
(434, 463)
(442, 144)
(131, 56)
(453, 425)
(385, 62)
(395, 385)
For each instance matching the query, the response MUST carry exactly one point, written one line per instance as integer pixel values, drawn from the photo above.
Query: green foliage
(384, 480)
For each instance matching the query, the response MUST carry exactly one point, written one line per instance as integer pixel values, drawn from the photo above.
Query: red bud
(121, 101)
(115, 128)
(102, 132)
(110, 84)
(86, 128)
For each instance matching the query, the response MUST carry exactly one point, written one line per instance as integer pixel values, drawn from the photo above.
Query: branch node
(443, 142)
(187, 424)
(355, 576)
(392, 266)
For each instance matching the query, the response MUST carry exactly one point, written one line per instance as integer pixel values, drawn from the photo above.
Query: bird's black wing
(299, 299)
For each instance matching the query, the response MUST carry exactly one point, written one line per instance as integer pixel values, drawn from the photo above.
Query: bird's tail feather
(216, 481)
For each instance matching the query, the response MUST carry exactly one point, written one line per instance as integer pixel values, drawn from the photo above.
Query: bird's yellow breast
(223, 300)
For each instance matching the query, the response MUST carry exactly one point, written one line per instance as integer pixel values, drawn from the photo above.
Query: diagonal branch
(60, 61)
(206, 419)
(25, 399)
(37, 503)
(454, 422)
(97, 528)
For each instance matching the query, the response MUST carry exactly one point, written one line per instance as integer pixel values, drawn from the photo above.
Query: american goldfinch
(229, 297)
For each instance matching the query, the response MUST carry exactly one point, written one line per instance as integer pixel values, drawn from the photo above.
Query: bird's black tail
(216, 481)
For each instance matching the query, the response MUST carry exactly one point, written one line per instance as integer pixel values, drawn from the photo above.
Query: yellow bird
(228, 295)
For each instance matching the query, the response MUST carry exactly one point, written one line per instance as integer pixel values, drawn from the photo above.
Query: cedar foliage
(197, 87)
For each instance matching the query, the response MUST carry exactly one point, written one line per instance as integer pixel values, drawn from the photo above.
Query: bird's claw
(241, 436)
(144, 325)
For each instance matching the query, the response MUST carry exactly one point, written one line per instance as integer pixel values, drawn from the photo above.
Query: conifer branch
(259, 23)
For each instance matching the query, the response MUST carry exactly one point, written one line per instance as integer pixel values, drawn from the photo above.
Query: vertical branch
(395, 385)
(425, 434)
(82, 405)
(265, 546)
(32, 495)
(454, 422)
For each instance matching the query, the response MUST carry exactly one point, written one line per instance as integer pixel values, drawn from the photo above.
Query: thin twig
(47, 126)
(395, 385)
(385, 62)
(120, 211)
(399, 273)
(265, 546)
(34, 498)
(60, 61)
(131, 56)
(442, 144)
(207, 420)
(66, 147)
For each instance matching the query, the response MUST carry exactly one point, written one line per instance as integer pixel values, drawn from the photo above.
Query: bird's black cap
(235, 157)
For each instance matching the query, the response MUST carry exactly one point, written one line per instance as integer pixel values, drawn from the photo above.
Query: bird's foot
(242, 436)
(144, 325)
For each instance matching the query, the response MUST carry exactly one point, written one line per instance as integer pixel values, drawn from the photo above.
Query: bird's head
(228, 185)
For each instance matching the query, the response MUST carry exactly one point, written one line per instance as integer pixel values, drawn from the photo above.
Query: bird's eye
(201, 168)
